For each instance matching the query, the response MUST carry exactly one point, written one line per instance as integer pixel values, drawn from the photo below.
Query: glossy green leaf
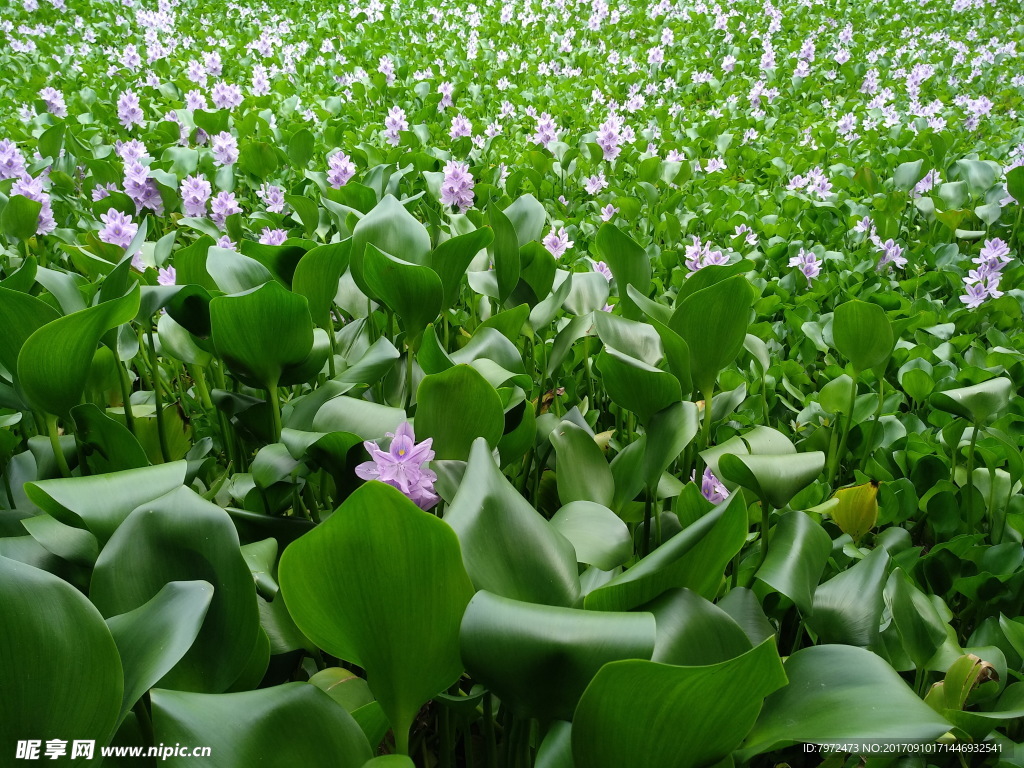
(694, 632)
(20, 217)
(635, 385)
(153, 638)
(108, 445)
(650, 715)
(862, 334)
(583, 473)
(308, 728)
(451, 259)
(508, 547)
(413, 292)
(848, 607)
(713, 323)
(978, 403)
(21, 315)
(102, 502)
(455, 407)
(695, 558)
(668, 433)
(777, 478)
(598, 535)
(356, 586)
(629, 265)
(538, 659)
(55, 361)
(53, 640)
(181, 537)
(836, 693)
(394, 231)
(505, 248)
(798, 551)
(316, 277)
(262, 333)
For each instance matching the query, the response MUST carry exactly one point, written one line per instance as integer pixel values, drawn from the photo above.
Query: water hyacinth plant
(543, 383)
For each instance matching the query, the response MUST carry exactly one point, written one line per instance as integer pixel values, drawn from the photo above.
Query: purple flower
(225, 149)
(273, 236)
(394, 124)
(609, 136)
(808, 263)
(557, 243)
(12, 162)
(272, 196)
(602, 269)
(129, 112)
(195, 191)
(699, 255)
(546, 131)
(195, 100)
(711, 487)
(976, 294)
(714, 164)
(446, 90)
(595, 183)
(608, 212)
(54, 102)
(892, 253)
(226, 95)
(457, 186)
(340, 169)
(402, 466)
(118, 228)
(223, 205)
(460, 127)
(166, 276)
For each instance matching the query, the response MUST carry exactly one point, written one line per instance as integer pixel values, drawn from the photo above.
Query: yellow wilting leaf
(857, 510)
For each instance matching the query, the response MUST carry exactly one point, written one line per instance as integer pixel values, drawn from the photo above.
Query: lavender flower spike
(402, 466)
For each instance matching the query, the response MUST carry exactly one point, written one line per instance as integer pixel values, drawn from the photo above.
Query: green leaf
(695, 559)
(455, 408)
(71, 544)
(451, 259)
(21, 315)
(413, 292)
(798, 552)
(713, 323)
(908, 174)
(862, 334)
(308, 728)
(20, 217)
(1015, 184)
(316, 277)
(392, 230)
(262, 333)
(102, 502)
(776, 478)
(921, 629)
(108, 444)
(538, 659)
(300, 148)
(636, 386)
(583, 473)
(629, 264)
(55, 360)
(235, 273)
(53, 639)
(258, 158)
(506, 253)
(848, 607)
(598, 535)
(836, 693)
(980, 175)
(507, 546)
(153, 638)
(181, 537)
(527, 216)
(357, 587)
(977, 404)
(668, 433)
(694, 632)
(649, 715)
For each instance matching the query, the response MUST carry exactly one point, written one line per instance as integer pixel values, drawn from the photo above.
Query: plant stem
(766, 513)
(158, 386)
(58, 454)
(970, 474)
(126, 396)
(645, 543)
(835, 458)
(275, 413)
(874, 425)
(490, 745)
